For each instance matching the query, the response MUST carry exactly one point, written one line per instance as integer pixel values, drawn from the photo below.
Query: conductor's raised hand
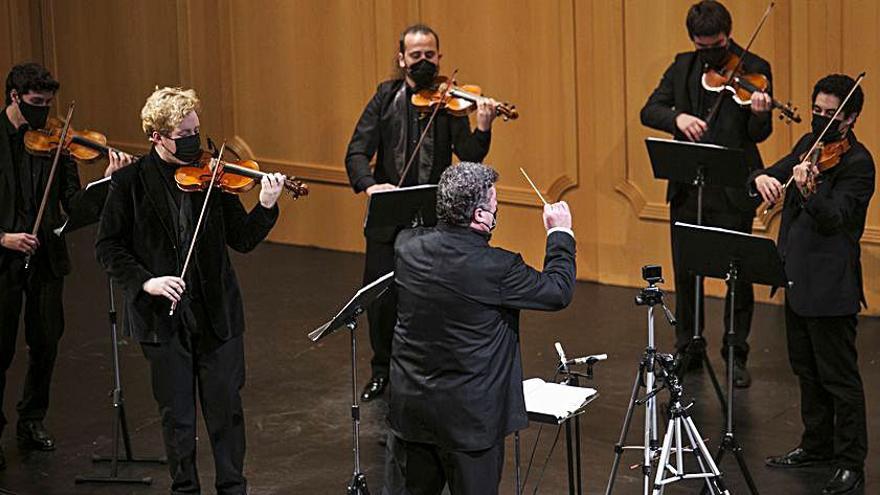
(557, 215)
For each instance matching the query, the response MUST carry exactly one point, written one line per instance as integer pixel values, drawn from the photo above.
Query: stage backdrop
(285, 81)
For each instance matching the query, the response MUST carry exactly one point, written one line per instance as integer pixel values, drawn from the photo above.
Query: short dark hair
(29, 77)
(418, 29)
(840, 85)
(462, 189)
(708, 18)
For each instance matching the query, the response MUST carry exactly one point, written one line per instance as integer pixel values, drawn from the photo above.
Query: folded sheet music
(555, 399)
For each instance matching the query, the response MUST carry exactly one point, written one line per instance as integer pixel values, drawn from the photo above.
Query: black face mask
(189, 148)
(819, 122)
(35, 116)
(494, 223)
(713, 57)
(423, 73)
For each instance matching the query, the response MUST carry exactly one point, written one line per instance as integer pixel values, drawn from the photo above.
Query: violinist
(680, 105)
(143, 238)
(30, 91)
(823, 219)
(389, 129)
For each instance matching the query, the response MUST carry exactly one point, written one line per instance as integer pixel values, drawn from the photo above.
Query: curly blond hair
(166, 108)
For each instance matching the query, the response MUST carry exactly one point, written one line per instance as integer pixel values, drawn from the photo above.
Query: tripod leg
(740, 459)
(618, 448)
(664, 457)
(715, 484)
(719, 392)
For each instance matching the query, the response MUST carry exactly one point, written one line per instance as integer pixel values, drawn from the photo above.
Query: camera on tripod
(651, 295)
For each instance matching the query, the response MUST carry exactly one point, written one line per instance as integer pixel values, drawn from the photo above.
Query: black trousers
(424, 469)
(382, 314)
(717, 212)
(823, 355)
(179, 368)
(41, 293)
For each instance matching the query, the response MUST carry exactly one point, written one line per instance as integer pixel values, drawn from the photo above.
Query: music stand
(399, 208)
(732, 256)
(699, 165)
(88, 211)
(567, 417)
(347, 317)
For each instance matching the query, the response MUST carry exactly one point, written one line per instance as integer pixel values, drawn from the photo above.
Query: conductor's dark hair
(708, 18)
(463, 188)
(418, 29)
(29, 77)
(840, 85)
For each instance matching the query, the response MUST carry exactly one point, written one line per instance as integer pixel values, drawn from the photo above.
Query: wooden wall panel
(109, 56)
(286, 81)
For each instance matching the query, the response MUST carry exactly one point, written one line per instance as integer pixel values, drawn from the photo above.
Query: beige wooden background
(286, 80)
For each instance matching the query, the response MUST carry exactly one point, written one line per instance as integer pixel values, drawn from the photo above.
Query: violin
(458, 100)
(824, 157)
(233, 176)
(730, 77)
(83, 146)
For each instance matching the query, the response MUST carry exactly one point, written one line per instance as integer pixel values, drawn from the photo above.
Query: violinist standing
(823, 218)
(680, 106)
(389, 129)
(143, 238)
(30, 90)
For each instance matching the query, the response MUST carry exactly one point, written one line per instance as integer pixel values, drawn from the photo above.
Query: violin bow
(535, 188)
(742, 59)
(195, 234)
(827, 126)
(36, 229)
(427, 128)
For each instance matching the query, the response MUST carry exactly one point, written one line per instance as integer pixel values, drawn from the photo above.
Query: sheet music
(555, 399)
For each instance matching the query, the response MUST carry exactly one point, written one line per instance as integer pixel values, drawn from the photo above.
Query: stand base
(729, 443)
(131, 460)
(358, 485)
(113, 480)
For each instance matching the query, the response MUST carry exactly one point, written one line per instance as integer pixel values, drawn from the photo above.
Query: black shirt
(24, 202)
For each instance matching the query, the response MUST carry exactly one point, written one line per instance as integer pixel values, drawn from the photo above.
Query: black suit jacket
(65, 197)
(456, 375)
(735, 126)
(380, 128)
(819, 236)
(137, 241)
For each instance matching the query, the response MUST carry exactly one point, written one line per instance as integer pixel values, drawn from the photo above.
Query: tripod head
(652, 295)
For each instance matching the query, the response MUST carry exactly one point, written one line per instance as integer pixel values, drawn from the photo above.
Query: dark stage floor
(297, 393)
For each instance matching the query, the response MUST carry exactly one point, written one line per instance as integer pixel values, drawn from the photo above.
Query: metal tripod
(120, 425)
(669, 471)
(645, 377)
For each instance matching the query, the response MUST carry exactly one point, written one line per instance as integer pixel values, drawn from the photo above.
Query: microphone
(562, 361)
(591, 359)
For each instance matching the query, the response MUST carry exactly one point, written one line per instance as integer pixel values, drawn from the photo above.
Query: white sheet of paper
(554, 399)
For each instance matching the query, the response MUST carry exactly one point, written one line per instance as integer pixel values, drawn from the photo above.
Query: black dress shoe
(33, 435)
(843, 481)
(796, 458)
(374, 388)
(741, 376)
